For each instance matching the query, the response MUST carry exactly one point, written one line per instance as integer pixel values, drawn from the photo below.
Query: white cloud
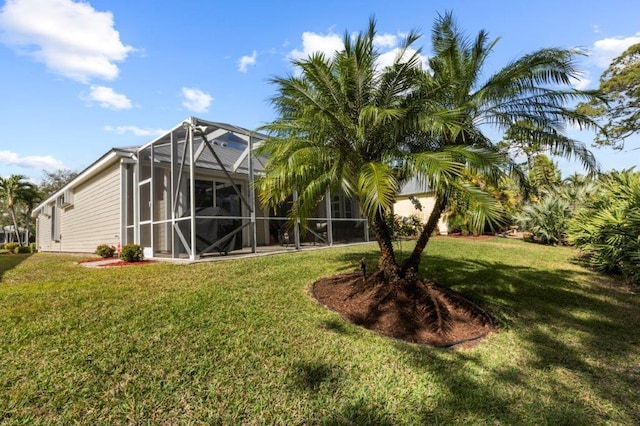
(196, 100)
(71, 39)
(135, 130)
(331, 43)
(606, 50)
(46, 162)
(245, 61)
(107, 98)
(387, 58)
(313, 42)
(582, 82)
(385, 40)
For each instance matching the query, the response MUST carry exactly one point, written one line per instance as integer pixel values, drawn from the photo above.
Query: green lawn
(241, 341)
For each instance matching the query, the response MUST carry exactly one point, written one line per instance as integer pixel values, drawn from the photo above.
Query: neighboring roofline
(96, 167)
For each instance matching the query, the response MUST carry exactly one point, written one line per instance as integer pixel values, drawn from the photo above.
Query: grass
(241, 341)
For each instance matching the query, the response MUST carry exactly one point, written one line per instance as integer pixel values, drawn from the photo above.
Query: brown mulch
(414, 312)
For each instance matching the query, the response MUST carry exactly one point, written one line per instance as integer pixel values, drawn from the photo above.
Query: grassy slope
(242, 342)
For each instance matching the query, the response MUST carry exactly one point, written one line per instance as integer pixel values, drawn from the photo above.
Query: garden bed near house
(100, 262)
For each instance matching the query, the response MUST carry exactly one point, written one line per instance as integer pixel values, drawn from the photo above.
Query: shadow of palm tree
(10, 261)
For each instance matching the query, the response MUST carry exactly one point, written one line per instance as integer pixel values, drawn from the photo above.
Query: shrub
(131, 253)
(33, 248)
(22, 250)
(407, 226)
(11, 246)
(548, 220)
(105, 250)
(607, 228)
(4, 251)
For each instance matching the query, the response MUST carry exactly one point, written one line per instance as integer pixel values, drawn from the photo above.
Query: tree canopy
(619, 109)
(13, 191)
(55, 180)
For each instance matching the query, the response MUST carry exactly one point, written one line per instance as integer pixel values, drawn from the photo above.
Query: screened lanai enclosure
(190, 193)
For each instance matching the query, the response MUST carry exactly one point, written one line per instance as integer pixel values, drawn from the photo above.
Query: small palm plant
(607, 228)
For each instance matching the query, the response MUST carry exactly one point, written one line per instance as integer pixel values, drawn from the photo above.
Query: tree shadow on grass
(564, 324)
(320, 377)
(10, 261)
(312, 376)
(337, 326)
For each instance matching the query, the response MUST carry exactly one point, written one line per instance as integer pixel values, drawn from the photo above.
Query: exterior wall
(404, 207)
(93, 219)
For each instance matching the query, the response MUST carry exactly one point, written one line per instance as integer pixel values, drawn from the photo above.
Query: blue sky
(78, 78)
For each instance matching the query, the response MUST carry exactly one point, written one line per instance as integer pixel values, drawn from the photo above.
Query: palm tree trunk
(387, 263)
(410, 266)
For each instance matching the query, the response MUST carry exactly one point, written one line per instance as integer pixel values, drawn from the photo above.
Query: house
(8, 235)
(186, 194)
(416, 200)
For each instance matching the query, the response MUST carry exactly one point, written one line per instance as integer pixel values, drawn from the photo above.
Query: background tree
(29, 196)
(55, 180)
(620, 107)
(11, 189)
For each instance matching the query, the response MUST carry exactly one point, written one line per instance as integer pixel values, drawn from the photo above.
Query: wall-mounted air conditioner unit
(66, 199)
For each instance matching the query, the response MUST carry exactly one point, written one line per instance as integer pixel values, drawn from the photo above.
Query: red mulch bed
(124, 263)
(116, 262)
(414, 312)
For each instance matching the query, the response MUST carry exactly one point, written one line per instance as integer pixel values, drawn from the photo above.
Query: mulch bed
(114, 262)
(414, 312)
(124, 263)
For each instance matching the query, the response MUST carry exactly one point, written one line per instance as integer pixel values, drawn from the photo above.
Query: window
(227, 199)
(341, 207)
(218, 194)
(204, 194)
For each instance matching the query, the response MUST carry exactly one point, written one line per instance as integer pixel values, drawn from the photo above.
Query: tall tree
(29, 196)
(534, 89)
(620, 107)
(55, 180)
(347, 124)
(344, 123)
(11, 189)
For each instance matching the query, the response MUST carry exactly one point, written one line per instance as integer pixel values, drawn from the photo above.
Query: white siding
(93, 219)
(404, 207)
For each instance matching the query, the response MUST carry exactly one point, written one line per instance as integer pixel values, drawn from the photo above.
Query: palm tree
(11, 189)
(29, 196)
(345, 123)
(534, 89)
(341, 126)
